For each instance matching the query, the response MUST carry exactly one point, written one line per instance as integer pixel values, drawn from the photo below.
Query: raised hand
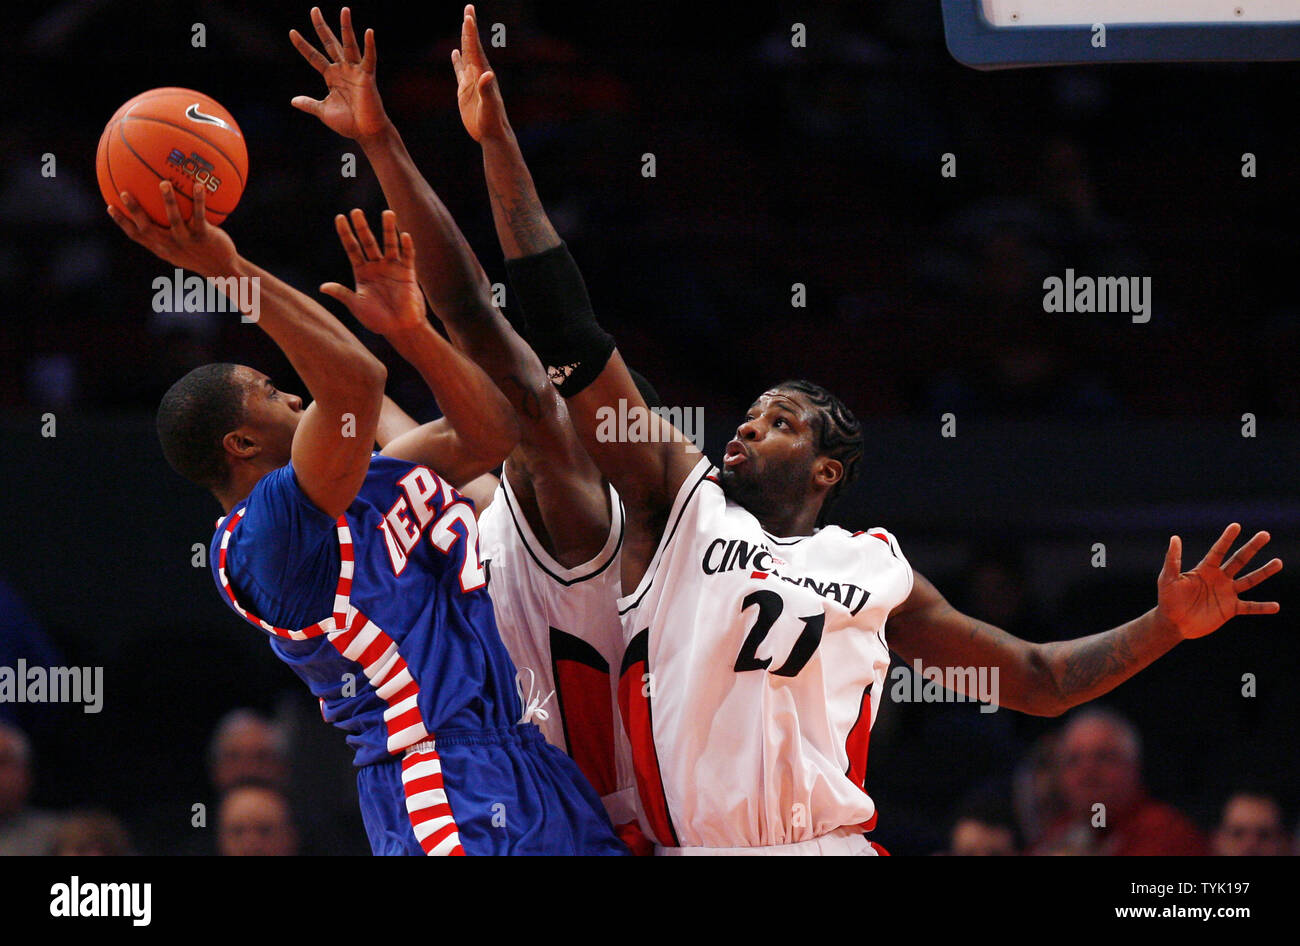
(198, 246)
(387, 299)
(353, 107)
(1202, 600)
(477, 92)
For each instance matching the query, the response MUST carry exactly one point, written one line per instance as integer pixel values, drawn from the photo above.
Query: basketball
(177, 135)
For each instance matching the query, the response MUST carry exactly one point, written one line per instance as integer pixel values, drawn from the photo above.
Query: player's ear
(239, 445)
(828, 471)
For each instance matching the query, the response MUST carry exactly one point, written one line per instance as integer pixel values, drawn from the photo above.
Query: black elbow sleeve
(560, 323)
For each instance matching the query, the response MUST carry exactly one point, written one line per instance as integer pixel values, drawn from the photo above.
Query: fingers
(327, 37)
(1244, 554)
(458, 66)
(199, 215)
(124, 222)
(362, 226)
(388, 219)
(1221, 546)
(1173, 560)
(370, 58)
(1258, 607)
(350, 51)
(350, 245)
(309, 52)
(1246, 582)
(340, 292)
(169, 207)
(305, 103)
(139, 218)
(470, 43)
(408, 249)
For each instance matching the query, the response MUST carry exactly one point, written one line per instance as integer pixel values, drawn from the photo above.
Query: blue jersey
(384, 612)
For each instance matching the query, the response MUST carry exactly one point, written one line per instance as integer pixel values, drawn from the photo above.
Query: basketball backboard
(997, 34)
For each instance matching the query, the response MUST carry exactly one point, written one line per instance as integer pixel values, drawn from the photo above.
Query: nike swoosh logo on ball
(194, 115)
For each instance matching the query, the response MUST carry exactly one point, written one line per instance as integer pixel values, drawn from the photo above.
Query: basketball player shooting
(552, 528)
(756, 650)
(363, 568)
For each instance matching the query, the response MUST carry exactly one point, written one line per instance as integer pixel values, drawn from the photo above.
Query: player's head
(222, 418)
(798, 443)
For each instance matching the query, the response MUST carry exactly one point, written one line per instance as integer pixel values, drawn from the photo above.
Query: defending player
(552, 527)
(756, 650)
(363, 568)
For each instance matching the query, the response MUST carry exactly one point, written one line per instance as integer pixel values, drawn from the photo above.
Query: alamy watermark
(77, 898)
(636, 424)
(181, 293)
(1130, 294)
(36, 684)
(920, 684)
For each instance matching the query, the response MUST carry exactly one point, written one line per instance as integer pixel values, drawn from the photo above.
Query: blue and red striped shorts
(492, 791)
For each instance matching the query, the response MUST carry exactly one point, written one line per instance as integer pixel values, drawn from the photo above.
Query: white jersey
(562, 630)
(753, 674)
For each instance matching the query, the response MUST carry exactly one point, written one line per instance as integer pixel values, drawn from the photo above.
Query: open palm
(353, 107)
(1202, 600)
(481, 109)
(387, 299)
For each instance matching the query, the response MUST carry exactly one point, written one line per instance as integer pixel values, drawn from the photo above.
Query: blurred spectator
(1036, 790)
(21, 637)
(23, 830)
(1100, 763)
(985, 827)
(255, 821)
(1250, 824)
(247, 746)
(91, 833)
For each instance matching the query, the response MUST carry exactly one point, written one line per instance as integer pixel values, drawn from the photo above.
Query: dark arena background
(920, 205)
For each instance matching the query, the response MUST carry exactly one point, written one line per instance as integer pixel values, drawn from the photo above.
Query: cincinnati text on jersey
(725, 555)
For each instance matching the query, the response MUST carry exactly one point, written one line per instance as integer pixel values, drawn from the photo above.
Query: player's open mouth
(735, 455)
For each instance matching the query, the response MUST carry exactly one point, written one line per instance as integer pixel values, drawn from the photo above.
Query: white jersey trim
(537, 552)
(692, 483)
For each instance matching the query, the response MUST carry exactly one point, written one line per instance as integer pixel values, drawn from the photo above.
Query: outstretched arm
(448, 272)
(330, 457)
(575, 509)
(480, 428)
(646, 474)
(1048, 679)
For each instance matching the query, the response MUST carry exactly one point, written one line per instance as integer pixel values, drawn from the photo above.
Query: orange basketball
(177, 135)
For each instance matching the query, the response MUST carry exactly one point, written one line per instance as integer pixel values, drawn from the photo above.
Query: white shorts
(845, 842)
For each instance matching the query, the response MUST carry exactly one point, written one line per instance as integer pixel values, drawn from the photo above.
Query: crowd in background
(1080, 791)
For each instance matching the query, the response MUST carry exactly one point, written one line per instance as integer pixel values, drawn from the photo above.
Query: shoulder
(276, 523)
(277, 488)
(879, 534)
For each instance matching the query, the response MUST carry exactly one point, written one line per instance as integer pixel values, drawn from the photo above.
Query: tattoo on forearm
(1095, 661)
(524, 214)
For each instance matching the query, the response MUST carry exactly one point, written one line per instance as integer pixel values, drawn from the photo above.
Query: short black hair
(194, 416)
(839, 434)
